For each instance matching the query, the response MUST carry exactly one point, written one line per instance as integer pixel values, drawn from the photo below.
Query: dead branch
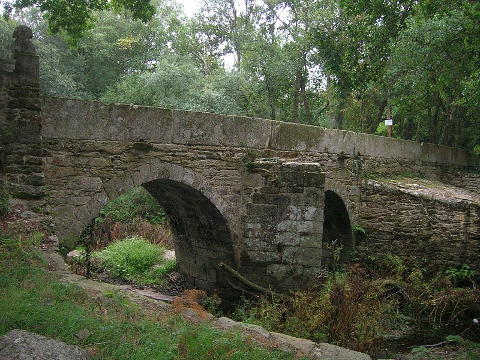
(245, 281)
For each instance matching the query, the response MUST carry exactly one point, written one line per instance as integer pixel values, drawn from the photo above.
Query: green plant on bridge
(462, 275)
(358, 229)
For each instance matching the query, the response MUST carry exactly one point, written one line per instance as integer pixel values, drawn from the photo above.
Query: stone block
(289, 343)
(324, 351)
(280, 271)
(302, 256)
(263, 256)
(288, 238)
(310, 241)
(262, 210)
(20, 344)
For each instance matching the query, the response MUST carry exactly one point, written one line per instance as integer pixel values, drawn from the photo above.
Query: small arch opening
(337, 243)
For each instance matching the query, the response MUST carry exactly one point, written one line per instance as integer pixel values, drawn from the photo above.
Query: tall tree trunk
(296, 96)
(306, 105)
(271, 99)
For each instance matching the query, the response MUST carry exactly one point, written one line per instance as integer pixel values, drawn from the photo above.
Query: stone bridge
(267, 198)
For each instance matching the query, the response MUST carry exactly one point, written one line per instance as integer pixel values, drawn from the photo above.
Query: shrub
(134, 259)
(476, 150)
(381, 129)
(349, 310)
(133, 204)
(461, 276)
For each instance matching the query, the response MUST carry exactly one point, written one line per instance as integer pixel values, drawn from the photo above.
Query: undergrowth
(135, 213)
(135, 259)
(112, 327)
(358, 307)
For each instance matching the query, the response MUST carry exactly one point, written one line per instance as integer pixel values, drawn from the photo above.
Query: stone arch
(156, 170)
(199, 217)
(201, 233)
(337, 229)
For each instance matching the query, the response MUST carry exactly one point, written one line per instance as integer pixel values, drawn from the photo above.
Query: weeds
(358, 307)
(134, 259)
(461, 276)
(348, 310)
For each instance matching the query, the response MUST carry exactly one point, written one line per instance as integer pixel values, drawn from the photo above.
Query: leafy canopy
(74, 17)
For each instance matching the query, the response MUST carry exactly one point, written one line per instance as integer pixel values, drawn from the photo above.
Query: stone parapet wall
(76, 119)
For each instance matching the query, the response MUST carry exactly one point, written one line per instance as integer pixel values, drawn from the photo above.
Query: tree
(74, 17)
(434, 73)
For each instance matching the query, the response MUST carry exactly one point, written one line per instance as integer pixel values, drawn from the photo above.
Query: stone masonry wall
(21, 154)
(283, 222)
(435, 232)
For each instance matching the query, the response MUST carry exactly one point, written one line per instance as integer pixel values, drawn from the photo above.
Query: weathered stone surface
(23, 345)
(287, 342)
(300, 347)
(426, 222)
(324, 351)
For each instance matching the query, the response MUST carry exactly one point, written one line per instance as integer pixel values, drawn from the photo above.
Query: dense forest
(345, 64)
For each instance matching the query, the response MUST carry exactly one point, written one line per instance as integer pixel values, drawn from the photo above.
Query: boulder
(324, 351)
(24, 345)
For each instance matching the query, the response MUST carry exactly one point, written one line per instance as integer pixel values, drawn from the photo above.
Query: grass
(135, 259)
(33, 299)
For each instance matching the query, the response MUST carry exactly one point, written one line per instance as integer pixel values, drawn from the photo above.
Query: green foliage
(133, 204)
(420, 352)
(176, 83)
(74, 20)
(456, 339)
(34, 300)
(461, 275)
(381, 129)
(212, 304)
(476, 150)
(134, 259)
(357, 229)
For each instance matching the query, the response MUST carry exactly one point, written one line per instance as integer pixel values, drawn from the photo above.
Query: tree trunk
(306, 105)
(296, 96)
(271, 99)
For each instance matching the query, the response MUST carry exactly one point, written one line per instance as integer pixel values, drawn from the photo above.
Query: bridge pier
(283, 224)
